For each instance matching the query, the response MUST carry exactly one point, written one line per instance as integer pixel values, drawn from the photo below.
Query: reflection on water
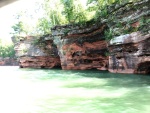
(60, 91)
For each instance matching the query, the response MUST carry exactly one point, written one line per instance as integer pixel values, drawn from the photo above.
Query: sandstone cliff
(81, 47)
(89, 46)
(129, 49)
(130, 53)
(34, 52)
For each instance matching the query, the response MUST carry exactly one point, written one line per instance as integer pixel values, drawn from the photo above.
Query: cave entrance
(144, 67)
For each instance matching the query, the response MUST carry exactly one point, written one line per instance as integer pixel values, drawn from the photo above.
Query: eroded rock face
(85, 47)
(39, 62)
(81, 48)
(35, 52)
(129, 49)
(130, 53)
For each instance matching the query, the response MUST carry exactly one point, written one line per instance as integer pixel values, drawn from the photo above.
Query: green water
(60, 91)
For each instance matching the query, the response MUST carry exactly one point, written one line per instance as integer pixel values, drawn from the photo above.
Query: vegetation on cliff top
(62, 12)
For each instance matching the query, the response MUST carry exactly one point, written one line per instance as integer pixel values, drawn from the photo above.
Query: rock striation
(34, 52)
(129, 49)
(119, 42)
(130, 53)
(81, 47)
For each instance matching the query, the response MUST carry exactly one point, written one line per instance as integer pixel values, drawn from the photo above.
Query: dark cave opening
(144, 67)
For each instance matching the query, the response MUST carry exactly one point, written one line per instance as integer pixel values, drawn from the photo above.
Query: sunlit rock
(129, 50)
(132, 55)
(35, 52)
(85, 46)
(81, 47)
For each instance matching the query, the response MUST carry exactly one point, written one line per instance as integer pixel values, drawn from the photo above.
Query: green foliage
(101, 7)
(80, 14)
(39, 41)
(69, 10)
(66, 31)
(107, 53)
(7, 50)
(18, 27)
(36, 41)
(74, 11)
(61, 12)
(54, 13)
(21, 26)
(43, 26)
(49, 14)
(52, 16)
(144, 24)
(108, 34)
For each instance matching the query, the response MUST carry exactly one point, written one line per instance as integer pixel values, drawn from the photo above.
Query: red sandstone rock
(131, 54)
(42, 54)
(82, 47)
(39, 62)
(86, 56)
(135, 24)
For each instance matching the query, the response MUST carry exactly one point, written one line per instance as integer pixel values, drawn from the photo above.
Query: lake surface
(61, 91)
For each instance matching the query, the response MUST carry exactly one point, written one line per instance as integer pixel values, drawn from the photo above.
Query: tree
(54, 13)
(43, 26)
(74, 11)
(18, 28)
(6, 50)
(68, 10)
